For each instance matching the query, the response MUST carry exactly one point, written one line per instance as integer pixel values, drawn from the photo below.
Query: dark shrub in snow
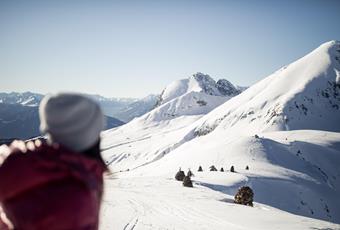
(187, 182)
(222, 170)
(232, 169)
(200, 169)
(213, 168)
(190, 174)
(244, 196)
(180, 175)
(247, 167)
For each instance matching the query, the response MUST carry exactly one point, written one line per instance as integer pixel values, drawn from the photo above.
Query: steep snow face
(302, 95)
(191, 103)
(175, 89)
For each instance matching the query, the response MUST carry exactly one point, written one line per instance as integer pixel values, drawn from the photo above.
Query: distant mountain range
(19, 116)
(22, 121)
(19, 111)
(124, 109)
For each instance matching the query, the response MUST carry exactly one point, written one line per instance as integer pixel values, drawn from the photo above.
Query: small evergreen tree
(232, 169)
(190, 174)
(180, 175)
(213, 168)
(200, 169)
(245, 196)
(187, 181)
(222, 170)
(247, 167)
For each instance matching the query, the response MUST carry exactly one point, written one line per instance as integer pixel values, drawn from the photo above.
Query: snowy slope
(163, 203)
(182, 103)
(293, 164)
(302, 95)
(296, 171)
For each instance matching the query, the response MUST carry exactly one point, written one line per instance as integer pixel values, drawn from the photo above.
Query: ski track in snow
(163, 203)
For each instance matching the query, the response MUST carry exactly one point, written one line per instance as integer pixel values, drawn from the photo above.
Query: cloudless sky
(134, 48)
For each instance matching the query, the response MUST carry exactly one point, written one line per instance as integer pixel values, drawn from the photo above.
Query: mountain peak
(201, 77)
(198, 82)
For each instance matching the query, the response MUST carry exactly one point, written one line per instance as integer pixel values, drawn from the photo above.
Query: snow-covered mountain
(201, 83)
(26, 98)
(181, 103)
(124, 109)
(196, 95)
(285, 128)
(302, 95)
(19, 117)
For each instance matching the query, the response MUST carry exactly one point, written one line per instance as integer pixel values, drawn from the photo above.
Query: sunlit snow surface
(294, 161)
(163, 203)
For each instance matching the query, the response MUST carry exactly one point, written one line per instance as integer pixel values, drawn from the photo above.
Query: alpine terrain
(285, 129)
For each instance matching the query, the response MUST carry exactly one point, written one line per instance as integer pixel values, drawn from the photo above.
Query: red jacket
(51, 188)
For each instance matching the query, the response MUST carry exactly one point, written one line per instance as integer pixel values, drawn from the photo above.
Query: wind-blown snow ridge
(302, 95)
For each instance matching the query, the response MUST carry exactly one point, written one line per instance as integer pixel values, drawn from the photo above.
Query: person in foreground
(57, 184)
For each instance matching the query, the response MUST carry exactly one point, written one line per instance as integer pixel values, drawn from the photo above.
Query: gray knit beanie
(72, 120)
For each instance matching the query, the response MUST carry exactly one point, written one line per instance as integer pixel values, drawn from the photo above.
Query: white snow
(163, 203)
(302, 95)
(294, 164)
(137, 142)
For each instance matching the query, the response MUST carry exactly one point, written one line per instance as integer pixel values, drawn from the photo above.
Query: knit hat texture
(72, 120)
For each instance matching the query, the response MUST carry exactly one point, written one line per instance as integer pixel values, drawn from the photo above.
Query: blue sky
(133, 48)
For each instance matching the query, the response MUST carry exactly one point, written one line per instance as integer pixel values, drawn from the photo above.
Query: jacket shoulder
(20, 168)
